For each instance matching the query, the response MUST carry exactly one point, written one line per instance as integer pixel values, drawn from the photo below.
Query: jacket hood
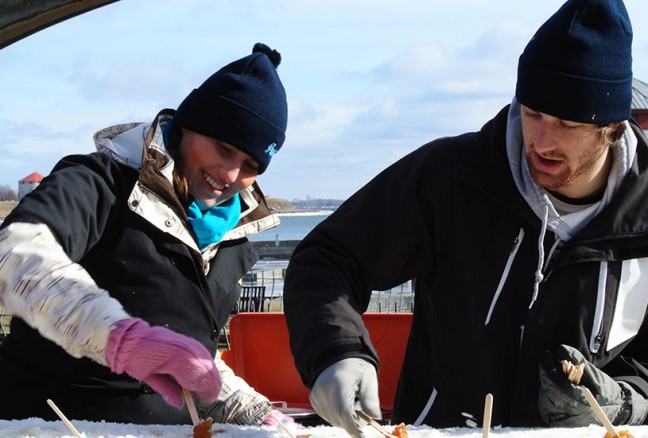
(124, 143)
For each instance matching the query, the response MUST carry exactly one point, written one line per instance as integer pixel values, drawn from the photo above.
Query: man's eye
(566, 126)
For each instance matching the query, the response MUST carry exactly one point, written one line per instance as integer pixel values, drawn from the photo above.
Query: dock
(275, 249)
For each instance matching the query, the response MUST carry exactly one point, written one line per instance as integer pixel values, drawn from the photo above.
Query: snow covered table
(37, 428)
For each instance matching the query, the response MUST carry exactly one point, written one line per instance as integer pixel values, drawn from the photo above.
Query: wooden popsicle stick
(281, 425)
(193, 412)
(64, 418)
(599, 413)
(488, 411)
(373, 423)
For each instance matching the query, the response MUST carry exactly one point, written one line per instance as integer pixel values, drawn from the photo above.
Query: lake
(293, 226)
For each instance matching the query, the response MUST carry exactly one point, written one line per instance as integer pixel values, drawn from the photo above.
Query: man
(528, 241)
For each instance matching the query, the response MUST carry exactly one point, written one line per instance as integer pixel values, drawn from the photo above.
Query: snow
(37, 428)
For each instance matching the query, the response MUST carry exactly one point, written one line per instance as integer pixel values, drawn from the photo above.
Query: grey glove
(344, 387)
(563, 404)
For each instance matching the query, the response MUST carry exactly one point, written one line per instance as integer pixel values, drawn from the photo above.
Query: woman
(123, 265)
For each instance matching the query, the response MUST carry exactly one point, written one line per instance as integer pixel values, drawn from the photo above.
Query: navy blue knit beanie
(242, 104)
(578, 66)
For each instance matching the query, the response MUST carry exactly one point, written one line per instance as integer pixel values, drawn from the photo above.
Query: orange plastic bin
(260, 353)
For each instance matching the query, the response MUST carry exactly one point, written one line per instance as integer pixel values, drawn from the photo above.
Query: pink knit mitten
(164, 360)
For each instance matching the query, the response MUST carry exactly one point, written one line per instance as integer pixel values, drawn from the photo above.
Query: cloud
(430, 90)
(128, 82)
(367, 81)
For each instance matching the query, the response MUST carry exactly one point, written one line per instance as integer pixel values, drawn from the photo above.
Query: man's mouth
(548, 161)
(546, 164)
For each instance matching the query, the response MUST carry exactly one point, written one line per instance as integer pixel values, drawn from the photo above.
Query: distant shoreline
(304, 213)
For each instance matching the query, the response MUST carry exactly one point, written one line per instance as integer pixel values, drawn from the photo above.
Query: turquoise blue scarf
(211, 224)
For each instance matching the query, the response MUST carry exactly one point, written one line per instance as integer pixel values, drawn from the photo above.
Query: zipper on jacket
(596, 338)
(507, 268)
(426, 409)
(608, 238)
(597, 326)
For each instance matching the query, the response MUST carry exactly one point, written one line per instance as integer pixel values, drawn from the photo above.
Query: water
(270, 273)
(293, 226)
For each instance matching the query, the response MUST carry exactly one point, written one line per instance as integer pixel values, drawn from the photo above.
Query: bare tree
(7, 193)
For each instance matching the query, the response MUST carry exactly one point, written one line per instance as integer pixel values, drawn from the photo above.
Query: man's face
(565, 157)
(214, 168)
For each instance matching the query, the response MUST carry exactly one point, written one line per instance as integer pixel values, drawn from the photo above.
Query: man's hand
(562, 403)
(344, 387)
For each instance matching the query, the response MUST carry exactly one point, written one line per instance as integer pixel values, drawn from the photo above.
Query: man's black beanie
(578, 66)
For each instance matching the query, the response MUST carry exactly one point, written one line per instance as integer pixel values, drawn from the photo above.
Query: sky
(368, 81)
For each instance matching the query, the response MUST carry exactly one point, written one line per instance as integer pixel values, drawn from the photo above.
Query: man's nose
(544, 136)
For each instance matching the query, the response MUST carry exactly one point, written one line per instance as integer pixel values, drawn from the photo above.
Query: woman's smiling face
(214, 168)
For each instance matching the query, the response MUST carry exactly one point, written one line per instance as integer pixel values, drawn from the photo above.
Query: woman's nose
(230, 173)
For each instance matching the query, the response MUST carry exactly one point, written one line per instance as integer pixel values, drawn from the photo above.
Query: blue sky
(367, 81)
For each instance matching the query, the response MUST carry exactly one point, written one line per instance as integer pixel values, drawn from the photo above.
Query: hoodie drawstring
(539, 276)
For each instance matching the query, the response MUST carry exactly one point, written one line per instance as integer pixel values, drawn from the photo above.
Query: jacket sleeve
(41, 285)
(631, 365)
(42, 245)
(379, 238)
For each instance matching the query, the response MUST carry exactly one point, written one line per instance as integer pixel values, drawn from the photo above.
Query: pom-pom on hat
(242, 104)
(578, 66)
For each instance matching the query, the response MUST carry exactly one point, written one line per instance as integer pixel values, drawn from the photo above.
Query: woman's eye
(252, 167)
(224, 148)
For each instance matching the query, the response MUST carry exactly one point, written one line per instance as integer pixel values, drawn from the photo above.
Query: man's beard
(569, 172)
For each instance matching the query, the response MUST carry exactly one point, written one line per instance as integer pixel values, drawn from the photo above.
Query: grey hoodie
(567, 225)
